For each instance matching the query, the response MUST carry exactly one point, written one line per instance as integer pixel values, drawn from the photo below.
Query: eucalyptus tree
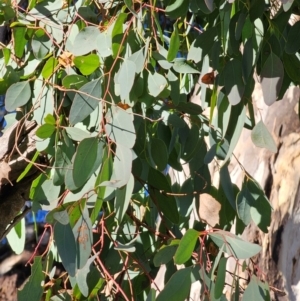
(100, 109)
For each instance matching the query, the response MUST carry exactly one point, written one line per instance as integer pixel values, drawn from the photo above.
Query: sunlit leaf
(233, 245)
(45, 131)
(85, 101)
(119, 126)
(49, 67)
(17, 95)
(86, 40)
(125, 78)
(174, 44)
(156, 83)
(186, 246)
(87, 64)
(261, 137)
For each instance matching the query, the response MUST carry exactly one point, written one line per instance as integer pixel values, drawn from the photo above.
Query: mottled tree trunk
(279, 175)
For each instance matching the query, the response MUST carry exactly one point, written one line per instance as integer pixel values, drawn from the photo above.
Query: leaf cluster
(109, 83)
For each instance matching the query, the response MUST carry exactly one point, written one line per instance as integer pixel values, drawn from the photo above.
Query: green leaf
(117, 34)
(261, 213)
(159, 186)
(61, 216)
(16, 237)
(234, 84)
(257, 9)
(20, 41)
(45, 131)
(244, 202)
(121, 167)
(74, 81)
(174, 44)
(125, 78)
(225, 182)
(83, 234)
(63, 160)
(293, 42)
(181, 66)
(66, 247)
(49, 67)
(238, 112)
(253, 291)
(84, 160)
(86, 40)
(272, 77)
(87, 64)
(156, 83)
(28, 167)
(159, 153)
(220, 280)
(291, 65)
(178, 287)
(262, 138)
(233, 245)
(40, 44)
(164, 255)
(248, 59)
(89, 277)
(122, 200)
(49, 119)
(85, 101)
(33, 289)
(177, 9)
(186, 246)
(17, 95)
(129, 247)
(44, 192)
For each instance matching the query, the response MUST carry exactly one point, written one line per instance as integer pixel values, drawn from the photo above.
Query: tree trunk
(279, 175)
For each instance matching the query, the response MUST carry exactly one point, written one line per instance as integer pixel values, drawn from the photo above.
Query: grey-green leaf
(66, 246)
(125, 78)
(272, 77)
(234, 84)
(83, 233)
(86, 40)
(178, 287)
(17, 95)
(159, 153)
(261, 137)
(85, 101)
(119, 126)
(156, 83)
(84, 160)
(122, 200)
(234, 246)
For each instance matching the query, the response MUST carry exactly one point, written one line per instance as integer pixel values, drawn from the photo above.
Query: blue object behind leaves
(2, 113)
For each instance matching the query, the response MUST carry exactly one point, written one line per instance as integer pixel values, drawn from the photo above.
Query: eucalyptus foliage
(109, 84)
